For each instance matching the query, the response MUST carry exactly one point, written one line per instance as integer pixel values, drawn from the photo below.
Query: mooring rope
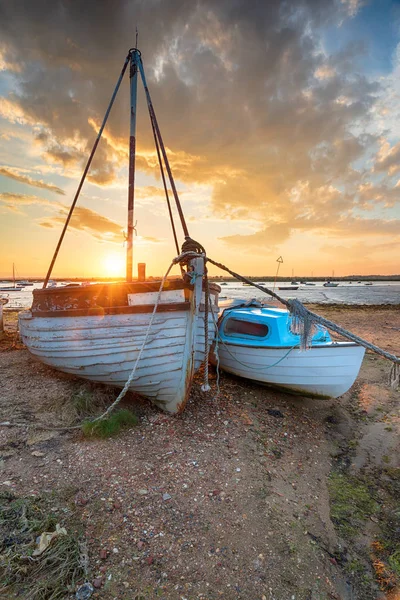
(132, 374)
(299, 311)
(127, 384)
(178, 259)
(216, 349)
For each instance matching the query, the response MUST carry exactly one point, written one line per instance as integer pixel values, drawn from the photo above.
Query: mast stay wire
(171, 217)
(163, 151)
(78, 191)
(157, 137)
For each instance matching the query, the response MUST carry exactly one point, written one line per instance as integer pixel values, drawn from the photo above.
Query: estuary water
(346, 293)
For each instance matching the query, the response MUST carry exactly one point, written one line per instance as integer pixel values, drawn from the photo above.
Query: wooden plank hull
(104, 349)
(104, 346)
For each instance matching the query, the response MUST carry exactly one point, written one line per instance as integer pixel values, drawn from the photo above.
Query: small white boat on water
(15, 287)
(258, 344)
(110, 333)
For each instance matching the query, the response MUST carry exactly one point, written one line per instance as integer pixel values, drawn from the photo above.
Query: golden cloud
(13, 202)
(83, 219)
(388, 159)
(89, 221)
(12, 112)
(17, 175)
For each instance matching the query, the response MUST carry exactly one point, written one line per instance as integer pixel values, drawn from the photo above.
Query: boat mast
(14, 274)
(132, 153)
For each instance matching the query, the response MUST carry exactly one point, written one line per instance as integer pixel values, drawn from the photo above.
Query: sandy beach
(253, 494)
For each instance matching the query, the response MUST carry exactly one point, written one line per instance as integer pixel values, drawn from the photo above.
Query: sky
(281, 122)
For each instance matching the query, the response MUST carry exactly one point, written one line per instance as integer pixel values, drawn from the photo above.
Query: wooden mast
(132, 152)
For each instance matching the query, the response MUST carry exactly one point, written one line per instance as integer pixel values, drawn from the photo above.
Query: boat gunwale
(112, 310)
(135, 287)
(223, 342)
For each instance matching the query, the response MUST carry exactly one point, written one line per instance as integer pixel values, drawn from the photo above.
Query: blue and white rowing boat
(257, 343)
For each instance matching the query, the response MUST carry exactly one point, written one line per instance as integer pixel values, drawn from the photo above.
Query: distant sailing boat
(15, 287)
(100, 331)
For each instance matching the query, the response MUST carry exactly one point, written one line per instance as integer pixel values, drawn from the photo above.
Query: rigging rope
(164, 183)
(162, 147)
(298, 310)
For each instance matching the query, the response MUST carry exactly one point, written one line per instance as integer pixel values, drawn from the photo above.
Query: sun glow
(114, 265)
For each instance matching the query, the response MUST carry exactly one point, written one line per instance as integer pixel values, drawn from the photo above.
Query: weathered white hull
(324, 371)
(105, 347)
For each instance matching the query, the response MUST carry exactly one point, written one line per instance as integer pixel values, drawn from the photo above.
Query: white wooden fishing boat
(96, 333)
(258, 344)
(99, 331)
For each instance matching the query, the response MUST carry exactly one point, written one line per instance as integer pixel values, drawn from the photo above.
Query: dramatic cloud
(248, 102)
(14, 202)
(16, 174)
(84, 219)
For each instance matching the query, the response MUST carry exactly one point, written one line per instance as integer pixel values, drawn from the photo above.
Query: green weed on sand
(112, 425)
(351, 504)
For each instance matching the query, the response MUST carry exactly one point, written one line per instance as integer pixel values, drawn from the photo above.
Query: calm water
(345, 293)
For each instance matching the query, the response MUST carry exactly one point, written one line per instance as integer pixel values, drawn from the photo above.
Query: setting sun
(114, 265)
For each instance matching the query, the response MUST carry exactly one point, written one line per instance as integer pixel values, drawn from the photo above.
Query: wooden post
(141, 271)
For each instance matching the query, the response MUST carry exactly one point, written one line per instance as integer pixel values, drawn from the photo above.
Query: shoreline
(239, 495)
